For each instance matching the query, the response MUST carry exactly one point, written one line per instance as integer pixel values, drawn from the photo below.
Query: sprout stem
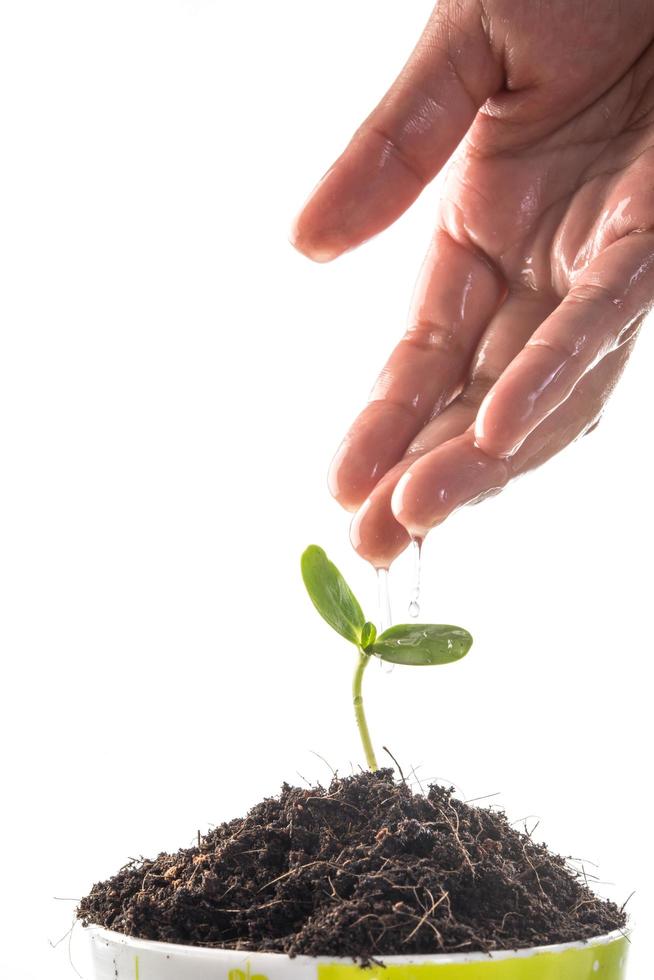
(360, 714)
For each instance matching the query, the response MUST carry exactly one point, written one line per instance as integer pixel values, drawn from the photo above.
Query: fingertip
(364, 191)
(344, 482)
(308, 245)
(376, 536)
(316, 231)
(374, 444)
(443, 480)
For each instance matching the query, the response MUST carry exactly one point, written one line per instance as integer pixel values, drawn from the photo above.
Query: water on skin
(414, 602)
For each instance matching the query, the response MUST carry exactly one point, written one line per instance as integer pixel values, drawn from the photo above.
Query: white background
(173, 381)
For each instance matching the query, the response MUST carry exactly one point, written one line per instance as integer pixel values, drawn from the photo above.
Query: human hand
(541, 268)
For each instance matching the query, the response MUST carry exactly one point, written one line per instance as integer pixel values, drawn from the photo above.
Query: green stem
(360, 714)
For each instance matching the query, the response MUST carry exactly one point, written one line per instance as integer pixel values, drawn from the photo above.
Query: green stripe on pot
(606, 962)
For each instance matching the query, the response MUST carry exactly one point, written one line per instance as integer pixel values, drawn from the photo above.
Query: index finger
(407, 138)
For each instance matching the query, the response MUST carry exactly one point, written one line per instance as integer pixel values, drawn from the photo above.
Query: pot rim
(446, 959)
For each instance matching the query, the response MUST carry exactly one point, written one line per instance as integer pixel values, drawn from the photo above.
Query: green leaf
(331, 595)
(420, 645)
(368, 635)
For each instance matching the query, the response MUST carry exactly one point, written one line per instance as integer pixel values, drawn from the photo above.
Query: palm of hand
(540, 272)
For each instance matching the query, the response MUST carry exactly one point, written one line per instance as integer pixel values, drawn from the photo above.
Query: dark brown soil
(363, 869)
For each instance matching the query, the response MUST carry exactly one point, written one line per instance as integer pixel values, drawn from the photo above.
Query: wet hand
(541, 267)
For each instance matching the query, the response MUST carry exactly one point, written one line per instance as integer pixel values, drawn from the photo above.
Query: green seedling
(414, 644)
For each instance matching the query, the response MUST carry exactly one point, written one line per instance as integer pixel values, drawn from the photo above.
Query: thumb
(405, 141)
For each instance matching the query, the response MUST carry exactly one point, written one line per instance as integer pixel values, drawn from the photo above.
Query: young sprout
(415, 644)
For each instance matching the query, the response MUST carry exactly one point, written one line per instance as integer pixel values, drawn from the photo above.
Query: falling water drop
(385, 619)
(414, 602)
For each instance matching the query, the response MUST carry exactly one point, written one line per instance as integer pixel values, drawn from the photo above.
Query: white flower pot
(118, 957)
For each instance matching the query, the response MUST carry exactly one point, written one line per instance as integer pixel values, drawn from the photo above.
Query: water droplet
(414, 601)
(385, 618)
